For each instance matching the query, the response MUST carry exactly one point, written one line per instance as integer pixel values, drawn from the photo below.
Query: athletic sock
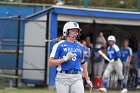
(105, 82)
(123, 83)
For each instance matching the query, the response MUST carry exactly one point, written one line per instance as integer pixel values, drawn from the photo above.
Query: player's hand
(69, 56)
(89, 83)
(101, 34)
(111, 61)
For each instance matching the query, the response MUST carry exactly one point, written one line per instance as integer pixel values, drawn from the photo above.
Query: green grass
(33, 90)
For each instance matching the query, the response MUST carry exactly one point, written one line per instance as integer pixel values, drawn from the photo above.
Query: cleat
(103, 90)
(124, 90)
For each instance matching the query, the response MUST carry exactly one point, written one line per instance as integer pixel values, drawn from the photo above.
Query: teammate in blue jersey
(114, 54)
(67, 55)
(126, 57)
(98, 60)
(86, 52)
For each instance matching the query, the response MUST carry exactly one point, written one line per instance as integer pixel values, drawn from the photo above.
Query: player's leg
(76, 84)
(106, 75)
(138, 78)
(62, 84)
(126, 71)
(95, 69)
(100, 69)
(119, 70)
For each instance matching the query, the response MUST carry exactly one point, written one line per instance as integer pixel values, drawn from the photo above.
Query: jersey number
(74, 58)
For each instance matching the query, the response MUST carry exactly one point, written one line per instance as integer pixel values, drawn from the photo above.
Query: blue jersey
(125, 54)
(61, 49)
(97, 56)
(87, 52)
(113, 52)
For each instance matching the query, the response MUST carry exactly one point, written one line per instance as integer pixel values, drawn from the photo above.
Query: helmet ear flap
(67, 32)
(79, 33)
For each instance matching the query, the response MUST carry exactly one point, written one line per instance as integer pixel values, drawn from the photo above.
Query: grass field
(33, 90)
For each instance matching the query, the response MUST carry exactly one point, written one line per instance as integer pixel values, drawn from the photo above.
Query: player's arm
(85, 71)
(55, 62)
(118, 53)
(130, 59)
(103, 39)
(130, 53)
(87, 55)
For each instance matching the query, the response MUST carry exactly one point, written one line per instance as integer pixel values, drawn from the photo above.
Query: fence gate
(9, 50)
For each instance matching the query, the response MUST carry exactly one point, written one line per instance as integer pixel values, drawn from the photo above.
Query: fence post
(46, 50)
(138, 5)
(86, 3)
(17, 54)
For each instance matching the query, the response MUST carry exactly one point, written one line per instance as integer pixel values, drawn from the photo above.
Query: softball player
(98, 60)
(114, 55)
(126, 56)
(67, 55)
(86, 52)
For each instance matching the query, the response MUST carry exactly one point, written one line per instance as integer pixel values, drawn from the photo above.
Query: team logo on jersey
(72, 50)
(63, 45)
(125, 52)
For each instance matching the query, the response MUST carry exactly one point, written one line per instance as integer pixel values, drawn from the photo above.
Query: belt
(70, 71)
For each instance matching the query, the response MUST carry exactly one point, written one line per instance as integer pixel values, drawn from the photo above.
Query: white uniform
(114, 53)
(69, 76)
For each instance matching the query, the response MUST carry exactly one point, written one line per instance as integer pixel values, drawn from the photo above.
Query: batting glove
(68, 56)
(89, 83)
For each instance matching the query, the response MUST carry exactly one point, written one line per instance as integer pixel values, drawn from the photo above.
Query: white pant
(117, 66)
(69, 83)
(126, 67)
(98, 69)
(139, 72)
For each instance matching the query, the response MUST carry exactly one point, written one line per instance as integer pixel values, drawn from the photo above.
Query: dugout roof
(88, 12)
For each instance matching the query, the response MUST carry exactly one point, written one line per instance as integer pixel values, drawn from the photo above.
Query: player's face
(111, 42)
(87, 39)
(126, 43)
(84, 43)
(73, 33)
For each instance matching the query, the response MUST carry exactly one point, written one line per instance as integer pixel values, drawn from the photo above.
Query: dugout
(122, 24)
